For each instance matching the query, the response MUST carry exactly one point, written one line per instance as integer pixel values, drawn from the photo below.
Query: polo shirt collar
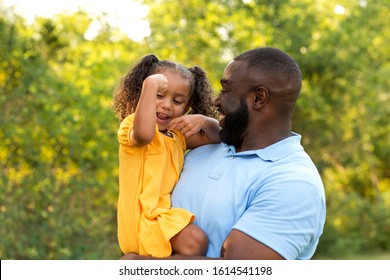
(274, 152)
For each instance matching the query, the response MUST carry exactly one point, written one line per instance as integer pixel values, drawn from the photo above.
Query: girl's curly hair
(127, 94)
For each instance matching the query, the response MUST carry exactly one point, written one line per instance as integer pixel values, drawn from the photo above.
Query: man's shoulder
(209, 148)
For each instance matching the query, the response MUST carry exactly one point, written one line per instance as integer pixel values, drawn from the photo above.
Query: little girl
(151, 102)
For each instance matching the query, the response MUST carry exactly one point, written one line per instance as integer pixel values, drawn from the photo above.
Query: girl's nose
(167, 104)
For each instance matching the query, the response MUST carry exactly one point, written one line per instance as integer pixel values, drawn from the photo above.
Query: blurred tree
(58, 142)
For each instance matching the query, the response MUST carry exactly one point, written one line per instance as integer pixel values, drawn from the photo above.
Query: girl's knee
(190, 241)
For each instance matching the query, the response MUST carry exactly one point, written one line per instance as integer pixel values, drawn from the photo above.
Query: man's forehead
(234, 70)
(230, 63)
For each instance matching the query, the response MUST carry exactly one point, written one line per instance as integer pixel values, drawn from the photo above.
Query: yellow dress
(147, 176)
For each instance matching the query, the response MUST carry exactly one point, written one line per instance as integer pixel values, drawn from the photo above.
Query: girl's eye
(160, 95)
(178, 102)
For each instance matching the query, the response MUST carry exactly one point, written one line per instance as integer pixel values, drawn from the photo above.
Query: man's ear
(260, 98)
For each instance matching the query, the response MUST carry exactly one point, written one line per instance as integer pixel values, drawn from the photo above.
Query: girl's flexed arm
(145, 113)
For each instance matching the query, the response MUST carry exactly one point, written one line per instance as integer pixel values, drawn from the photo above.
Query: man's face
(231, 102)
(234, 125)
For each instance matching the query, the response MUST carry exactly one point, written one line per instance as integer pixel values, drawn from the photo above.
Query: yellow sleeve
(180, 138)
(124, 130)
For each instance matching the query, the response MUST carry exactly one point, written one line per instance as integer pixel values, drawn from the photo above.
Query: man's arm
(240, 246)
(237, 246)
(134, 256)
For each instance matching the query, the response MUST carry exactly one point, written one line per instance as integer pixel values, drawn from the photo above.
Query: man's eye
(222, 91)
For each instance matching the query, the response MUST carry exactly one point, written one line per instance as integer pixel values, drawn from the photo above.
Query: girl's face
(174, 102)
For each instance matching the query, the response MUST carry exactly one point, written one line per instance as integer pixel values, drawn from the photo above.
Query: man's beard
(234, 125)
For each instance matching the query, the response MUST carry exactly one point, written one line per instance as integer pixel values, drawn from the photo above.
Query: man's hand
(134, 256)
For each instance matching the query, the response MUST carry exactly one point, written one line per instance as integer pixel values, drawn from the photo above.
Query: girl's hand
(160, 81)
(188, 125)
(191, 125)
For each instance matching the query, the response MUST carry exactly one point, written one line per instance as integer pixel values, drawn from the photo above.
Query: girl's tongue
(162, 116)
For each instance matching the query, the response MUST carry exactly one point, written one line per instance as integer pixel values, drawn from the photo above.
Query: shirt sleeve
(179, 138)
(124, 131)
(283, 216)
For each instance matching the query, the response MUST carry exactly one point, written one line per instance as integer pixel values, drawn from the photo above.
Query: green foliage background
(58, 145)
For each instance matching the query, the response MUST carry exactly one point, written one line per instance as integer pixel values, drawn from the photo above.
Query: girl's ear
(260, 98)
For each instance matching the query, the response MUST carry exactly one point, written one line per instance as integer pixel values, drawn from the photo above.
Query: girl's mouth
(162, 116)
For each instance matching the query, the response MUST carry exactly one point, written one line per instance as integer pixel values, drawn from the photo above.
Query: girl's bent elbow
(141, 140)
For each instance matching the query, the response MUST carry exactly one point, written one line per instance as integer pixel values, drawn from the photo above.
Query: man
(257, 195)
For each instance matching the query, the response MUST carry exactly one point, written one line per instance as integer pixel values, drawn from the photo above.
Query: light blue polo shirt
(275, 195)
